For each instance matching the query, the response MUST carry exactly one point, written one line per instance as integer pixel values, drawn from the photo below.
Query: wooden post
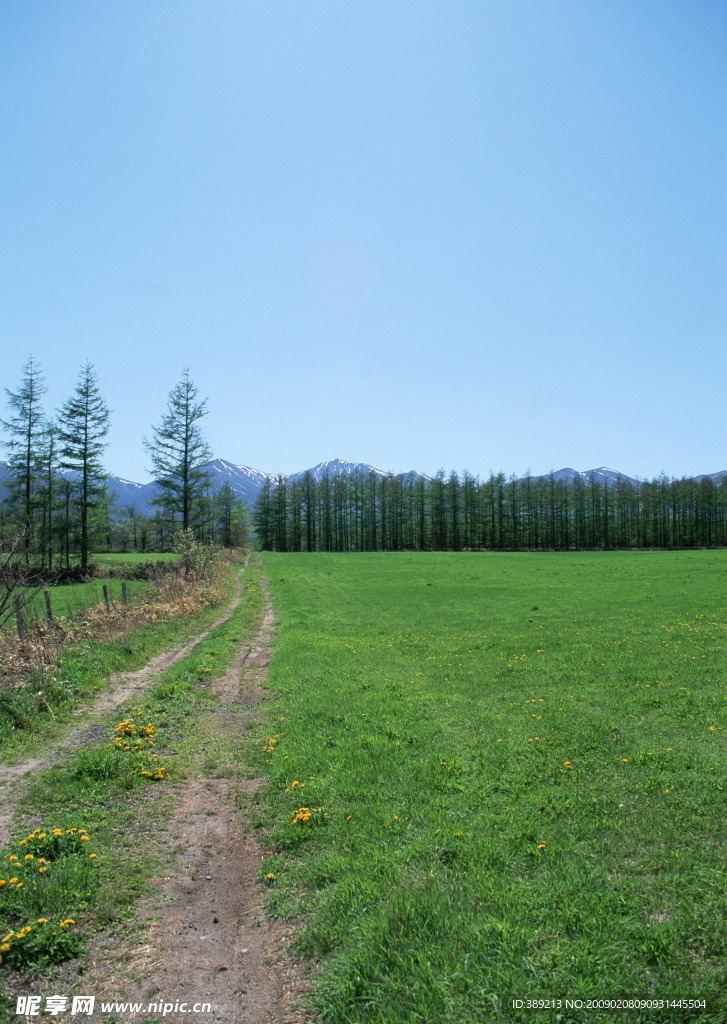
(106, 597)
(123, 592)
(48, 615)
(19, 618)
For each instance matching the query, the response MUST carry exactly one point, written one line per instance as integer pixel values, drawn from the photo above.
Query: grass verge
(44, 679)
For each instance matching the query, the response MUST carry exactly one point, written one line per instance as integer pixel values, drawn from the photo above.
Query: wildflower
(541, 846)
(271, 875)
(42, 920)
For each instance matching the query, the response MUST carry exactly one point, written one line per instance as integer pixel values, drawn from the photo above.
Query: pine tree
(83, 425)
(179, 454)
(25, 427)
(47, 469)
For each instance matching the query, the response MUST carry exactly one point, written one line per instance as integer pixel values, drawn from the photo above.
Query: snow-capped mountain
(243, 480)
(339, 467)
(602, 475)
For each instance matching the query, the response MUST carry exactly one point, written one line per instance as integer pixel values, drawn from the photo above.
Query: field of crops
(498, 777)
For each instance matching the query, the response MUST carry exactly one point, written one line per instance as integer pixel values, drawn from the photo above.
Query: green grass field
(515, 779)
(69, 599)
(133, 557)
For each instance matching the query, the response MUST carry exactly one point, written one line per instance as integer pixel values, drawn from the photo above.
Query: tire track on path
(123, 686)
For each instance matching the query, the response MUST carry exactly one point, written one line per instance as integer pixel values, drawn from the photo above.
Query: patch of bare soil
(122, 687)
(207, 939)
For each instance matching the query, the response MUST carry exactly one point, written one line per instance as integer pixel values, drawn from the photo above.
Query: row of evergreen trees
(371, 512)
(55, 499)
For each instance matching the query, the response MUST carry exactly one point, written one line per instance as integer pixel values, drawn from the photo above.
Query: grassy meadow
(501, 776)
(68, 599)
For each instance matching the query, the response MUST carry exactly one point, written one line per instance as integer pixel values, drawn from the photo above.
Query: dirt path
(203, 936)
(122, 688)
(206, 937)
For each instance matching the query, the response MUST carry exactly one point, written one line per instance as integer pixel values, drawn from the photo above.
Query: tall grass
(516, 777)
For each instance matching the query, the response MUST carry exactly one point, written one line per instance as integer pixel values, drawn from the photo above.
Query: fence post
(19, 619)
(48, 615)
(106, 597)
(123, 592)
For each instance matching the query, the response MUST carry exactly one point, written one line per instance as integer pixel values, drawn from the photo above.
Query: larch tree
(179, 454)
(83, 425)
(25, 427)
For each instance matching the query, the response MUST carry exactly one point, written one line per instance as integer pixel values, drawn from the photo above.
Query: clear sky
(483, 234)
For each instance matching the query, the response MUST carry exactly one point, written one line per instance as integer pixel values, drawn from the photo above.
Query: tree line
(55, 500)
(373, 512)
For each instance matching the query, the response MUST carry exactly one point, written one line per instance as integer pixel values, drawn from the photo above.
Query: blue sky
(483, 234)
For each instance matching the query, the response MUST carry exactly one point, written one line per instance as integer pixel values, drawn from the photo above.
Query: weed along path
(122, 688)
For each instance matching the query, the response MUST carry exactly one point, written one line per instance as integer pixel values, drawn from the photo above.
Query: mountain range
(247, 483)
